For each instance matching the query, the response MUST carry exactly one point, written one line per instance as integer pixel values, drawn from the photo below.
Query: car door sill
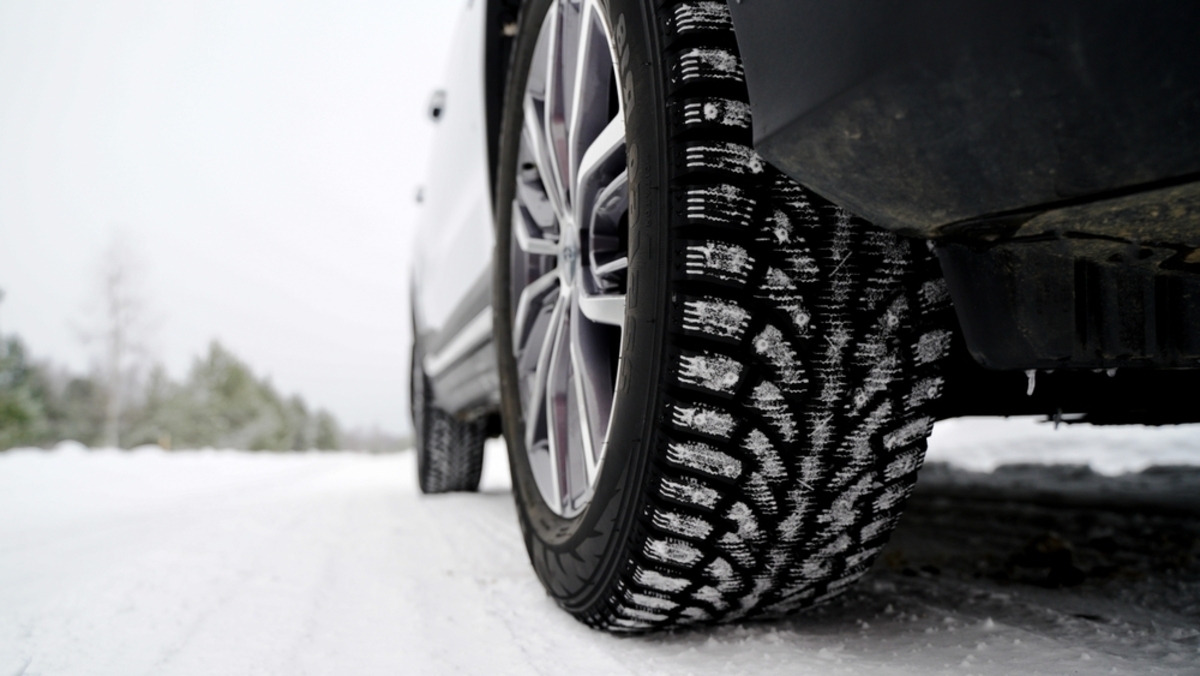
(474, 334)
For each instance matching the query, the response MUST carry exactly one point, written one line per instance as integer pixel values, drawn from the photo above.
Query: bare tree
(122, 327)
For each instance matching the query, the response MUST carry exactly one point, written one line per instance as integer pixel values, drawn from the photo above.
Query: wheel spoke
(553, 121)
(529, 304)
(592, 376)
(613, 267)
(533, 195)
(607, 309)
(606, 255)
(539, 420)
(608, 142)
(534, 135)
(541, 377)
(530, 236)
(557, 379)
(583, 413)
(593, 73)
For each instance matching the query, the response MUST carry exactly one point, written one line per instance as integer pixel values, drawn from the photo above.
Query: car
(714, 270)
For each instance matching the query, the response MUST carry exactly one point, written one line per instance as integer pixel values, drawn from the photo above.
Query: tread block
(672, 551)
(934, 296)
(722, 205)
(745, 520)
(722, 574)
(689, 491)
(703, 420)
(780, 290)
(650, 603)
(932, 346)
(683, 525)
(713, 317)
(652, 579)
(768, 401)
(707, 65)
(721, 157)
(769, 460)
(910, 432)
(736, 548)
(773, 347)
(712, 597)
(708, 371)
(704, 458)
(924, 391)
(717, 113)
(695, 17)
(639, 615)
(717, 262)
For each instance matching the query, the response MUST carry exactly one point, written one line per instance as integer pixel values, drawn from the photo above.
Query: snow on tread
(730, 158)
(687, 490)
(704, 458)
(652, 579)
(715, 317)
(719, 205)
(707, 64)
(718, 261)
(716, 373)
(806, 354)
(718, 111)
(693, 17)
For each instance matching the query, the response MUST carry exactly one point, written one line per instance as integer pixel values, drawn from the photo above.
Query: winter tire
(449, 450)
(715, 384)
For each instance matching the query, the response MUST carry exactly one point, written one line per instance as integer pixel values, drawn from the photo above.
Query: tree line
(220, 404)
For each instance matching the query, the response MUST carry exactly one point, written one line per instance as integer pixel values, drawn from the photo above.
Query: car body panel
(454, 239)
(921, 114)
(1052, 147)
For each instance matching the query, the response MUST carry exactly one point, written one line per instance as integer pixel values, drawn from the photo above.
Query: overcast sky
(262, 159)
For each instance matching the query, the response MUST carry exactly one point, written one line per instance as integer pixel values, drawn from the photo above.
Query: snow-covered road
(237, 563)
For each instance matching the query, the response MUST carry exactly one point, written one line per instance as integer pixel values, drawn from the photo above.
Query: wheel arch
(501, 22)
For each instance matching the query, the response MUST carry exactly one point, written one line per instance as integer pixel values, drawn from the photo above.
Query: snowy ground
(217, 562)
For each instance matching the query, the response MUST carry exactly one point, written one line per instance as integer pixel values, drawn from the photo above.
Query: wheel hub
(568, 259)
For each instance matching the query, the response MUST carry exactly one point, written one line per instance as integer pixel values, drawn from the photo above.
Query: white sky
(261, 156)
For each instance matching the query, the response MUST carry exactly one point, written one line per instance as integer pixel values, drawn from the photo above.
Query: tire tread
(450, 451)
(805, 346)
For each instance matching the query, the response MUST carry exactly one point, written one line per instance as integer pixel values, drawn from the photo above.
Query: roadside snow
(983, 444)
(222, 562)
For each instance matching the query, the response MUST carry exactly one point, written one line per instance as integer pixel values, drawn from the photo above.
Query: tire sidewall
(590, 547)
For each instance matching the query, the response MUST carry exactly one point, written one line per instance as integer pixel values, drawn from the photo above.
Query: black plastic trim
(920, 114)
(469, 386)
(474, 301)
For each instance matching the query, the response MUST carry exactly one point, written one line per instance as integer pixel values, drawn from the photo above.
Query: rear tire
(449, 450)
(776, 366)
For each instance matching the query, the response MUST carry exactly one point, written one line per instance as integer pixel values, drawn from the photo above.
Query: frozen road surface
(219, 562)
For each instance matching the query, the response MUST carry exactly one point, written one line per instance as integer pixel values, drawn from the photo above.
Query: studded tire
(777, 363)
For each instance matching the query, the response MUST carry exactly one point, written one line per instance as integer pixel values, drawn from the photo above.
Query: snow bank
(983, 444)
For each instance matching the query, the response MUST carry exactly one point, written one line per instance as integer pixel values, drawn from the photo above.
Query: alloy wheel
(569, 262)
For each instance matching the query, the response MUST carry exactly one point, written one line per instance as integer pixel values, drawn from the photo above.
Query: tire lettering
(619, 34)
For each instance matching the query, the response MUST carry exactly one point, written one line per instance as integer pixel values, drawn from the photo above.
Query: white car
(716, 342)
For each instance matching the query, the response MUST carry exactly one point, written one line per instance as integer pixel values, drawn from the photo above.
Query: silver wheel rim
(569, 252)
